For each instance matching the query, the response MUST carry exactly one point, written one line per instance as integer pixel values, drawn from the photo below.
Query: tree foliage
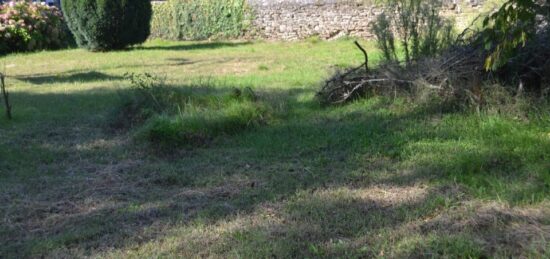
(509, 29)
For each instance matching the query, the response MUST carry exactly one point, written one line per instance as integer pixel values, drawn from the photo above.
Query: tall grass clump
(200, 19)
(196, 125)
(168, 117)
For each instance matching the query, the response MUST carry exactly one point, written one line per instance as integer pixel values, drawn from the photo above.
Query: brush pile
(455, 72)
(512, 53)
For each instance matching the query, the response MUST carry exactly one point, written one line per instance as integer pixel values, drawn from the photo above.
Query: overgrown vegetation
(416, 25)
(29, 26)
(516, 38)
(200, 19)
(176, 117)
(510, 50)
(100, 25)
(516, 25)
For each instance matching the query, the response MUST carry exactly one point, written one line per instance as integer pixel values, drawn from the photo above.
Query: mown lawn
(380, 177)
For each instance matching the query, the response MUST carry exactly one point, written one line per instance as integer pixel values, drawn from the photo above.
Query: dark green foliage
(102, 25)
(200, 19)
(516, 41)
(511, 27)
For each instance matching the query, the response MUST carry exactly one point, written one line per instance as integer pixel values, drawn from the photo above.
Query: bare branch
(366, 56)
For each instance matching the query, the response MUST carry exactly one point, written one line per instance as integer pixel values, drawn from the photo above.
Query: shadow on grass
(80, 77)
(195, 46)
(209, 61)
(330, 223)
(182, 61)
(110, 206)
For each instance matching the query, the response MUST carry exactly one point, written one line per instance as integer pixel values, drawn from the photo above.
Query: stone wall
(300, 19)
(329, 19)
(288, 20)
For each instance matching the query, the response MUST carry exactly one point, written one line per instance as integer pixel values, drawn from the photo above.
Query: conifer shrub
(102, 25)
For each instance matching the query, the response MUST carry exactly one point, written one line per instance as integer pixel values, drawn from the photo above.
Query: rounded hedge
(101, 25)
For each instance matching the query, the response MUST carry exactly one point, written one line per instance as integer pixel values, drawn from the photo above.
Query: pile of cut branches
(510, 50)
(456, 72)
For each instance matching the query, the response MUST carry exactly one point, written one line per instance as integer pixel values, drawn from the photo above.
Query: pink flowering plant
(28, 26)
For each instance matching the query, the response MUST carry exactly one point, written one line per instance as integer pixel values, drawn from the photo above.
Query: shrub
(516, 38)
(510, 28)
(416, 25)
(101, 25)
(27, 26)
(200, 19)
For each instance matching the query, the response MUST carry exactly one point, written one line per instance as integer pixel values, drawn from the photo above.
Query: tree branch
(366, 56)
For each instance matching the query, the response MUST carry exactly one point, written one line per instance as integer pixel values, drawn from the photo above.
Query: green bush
(417, 26)
(200, 19)
(101, 25)
(517, 24)
(27, 26)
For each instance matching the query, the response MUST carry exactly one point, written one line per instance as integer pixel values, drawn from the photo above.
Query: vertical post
(5, 95)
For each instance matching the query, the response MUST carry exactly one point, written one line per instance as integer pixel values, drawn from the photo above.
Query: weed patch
(169, 116)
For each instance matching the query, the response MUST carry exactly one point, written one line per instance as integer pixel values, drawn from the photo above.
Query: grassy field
(376, 178)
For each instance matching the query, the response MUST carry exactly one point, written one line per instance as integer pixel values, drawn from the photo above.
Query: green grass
(378, 177)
